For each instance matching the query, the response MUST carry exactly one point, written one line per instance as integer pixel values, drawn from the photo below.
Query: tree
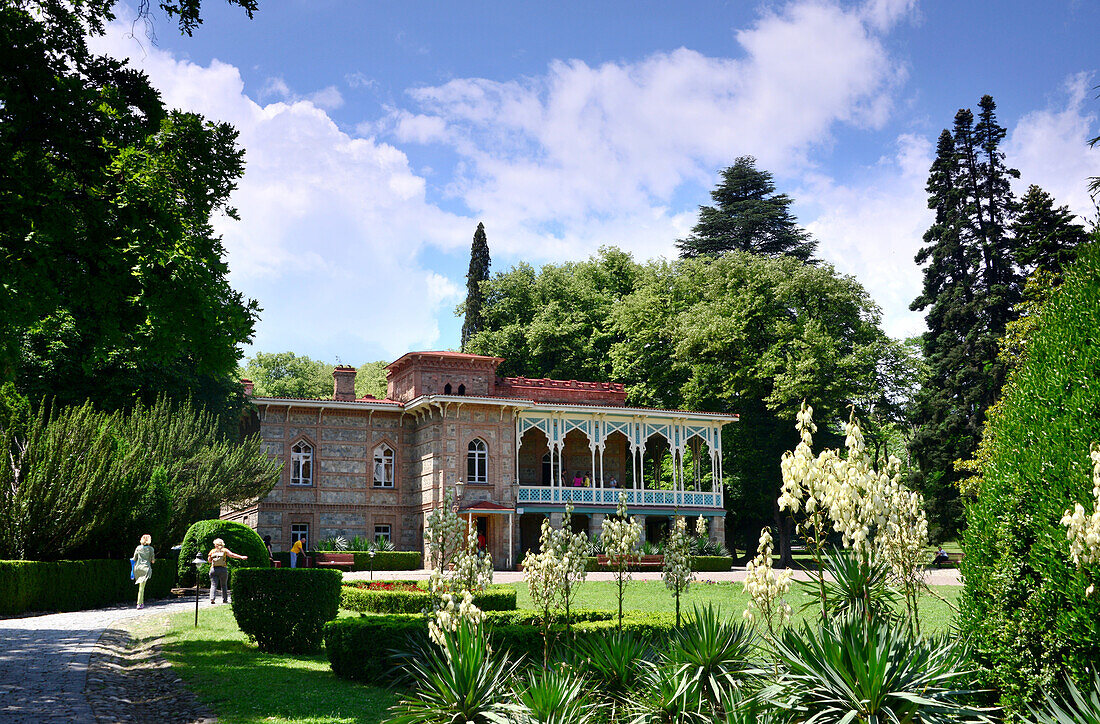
(478, 273)
(748, 216)
(370, 379)
(285, 374)
(976, 256)
(113, 285)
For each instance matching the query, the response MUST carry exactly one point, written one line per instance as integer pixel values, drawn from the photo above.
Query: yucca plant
(755, 709)
(381, 544)
(555, 696)
(849, 670)
(713, 652)
(615, 665)
(859, 588)
(649, 548)
(1074, 707)
(462, 681)
(667, 698)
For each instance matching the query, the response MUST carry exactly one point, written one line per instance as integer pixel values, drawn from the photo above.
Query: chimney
(247, 385)
(343, 377)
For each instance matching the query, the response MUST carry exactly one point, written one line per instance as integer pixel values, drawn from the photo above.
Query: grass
(242, 684)
(936, 614)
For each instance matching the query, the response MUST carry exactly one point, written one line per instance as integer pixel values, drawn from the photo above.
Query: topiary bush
(238, 538)
(284, 610)
(1025, 607)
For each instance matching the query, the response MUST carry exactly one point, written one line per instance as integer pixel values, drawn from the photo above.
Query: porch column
(511, 551)
(641, 519)
(556, 520)
(595, 525)
(718, 529)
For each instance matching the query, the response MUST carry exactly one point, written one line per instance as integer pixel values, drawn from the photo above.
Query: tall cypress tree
(977, 254)
(479, 272)
(748, 216)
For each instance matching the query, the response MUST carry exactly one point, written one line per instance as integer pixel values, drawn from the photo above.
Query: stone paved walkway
(44, 661)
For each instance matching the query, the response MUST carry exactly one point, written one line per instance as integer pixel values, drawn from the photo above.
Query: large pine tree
(748, 216)
(977, 255)
(479, 272)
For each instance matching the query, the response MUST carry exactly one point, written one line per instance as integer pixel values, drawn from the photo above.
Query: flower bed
(385, 585)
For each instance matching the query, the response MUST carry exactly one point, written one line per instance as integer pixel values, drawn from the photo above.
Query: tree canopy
(113, 284)
(737, 333)
(478, 273)
(748, 215)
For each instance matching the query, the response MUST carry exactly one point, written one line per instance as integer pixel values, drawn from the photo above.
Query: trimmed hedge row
(711, 563)
(360, 648)
(496, 598)
(75, 585)
(283, 609)
(389, 561)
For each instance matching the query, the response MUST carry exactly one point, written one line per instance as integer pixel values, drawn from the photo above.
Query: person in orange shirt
(295, 551)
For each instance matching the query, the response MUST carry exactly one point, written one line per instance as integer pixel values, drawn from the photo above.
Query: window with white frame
(383, 466)
(300, 531)
(477, 462)
(301, 463)
(382, 531)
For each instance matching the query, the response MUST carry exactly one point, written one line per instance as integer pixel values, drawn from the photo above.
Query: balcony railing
(610, 496)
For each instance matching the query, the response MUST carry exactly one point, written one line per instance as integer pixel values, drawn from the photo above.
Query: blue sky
(377, 135)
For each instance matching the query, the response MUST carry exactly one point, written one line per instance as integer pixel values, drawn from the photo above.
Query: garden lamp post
(371, 553)
(199, 560)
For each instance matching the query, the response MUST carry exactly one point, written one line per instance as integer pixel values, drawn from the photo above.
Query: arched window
(383, 466)
(447, 389)
(301, 463)
(477, 462)
(462, 389)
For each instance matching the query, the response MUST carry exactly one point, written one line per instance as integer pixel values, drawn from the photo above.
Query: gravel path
(934, 576)
(44, 661)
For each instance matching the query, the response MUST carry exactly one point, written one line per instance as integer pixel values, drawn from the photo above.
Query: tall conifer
(479, 272)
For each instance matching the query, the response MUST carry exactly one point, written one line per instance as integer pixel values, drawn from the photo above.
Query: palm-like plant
(849, 670)
(714, 653)
(667, 698)
(463, 681)
(616, 666)
(859, 588)
(1076, 707)
(555, 696)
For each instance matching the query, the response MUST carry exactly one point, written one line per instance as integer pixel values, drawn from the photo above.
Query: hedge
(711, 563)
(496, 598)
(389, 561)
(360, 648)
(238, 538)
(1024, 608)
(27, 586)
(284, 609)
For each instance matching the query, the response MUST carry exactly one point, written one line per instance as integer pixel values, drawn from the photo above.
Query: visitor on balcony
(612, 483)
(578, 481)
(587, 480)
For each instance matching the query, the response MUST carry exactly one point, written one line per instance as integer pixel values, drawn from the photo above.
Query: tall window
(383, 466)
(300, 531)
(477, 462)
(301, 463)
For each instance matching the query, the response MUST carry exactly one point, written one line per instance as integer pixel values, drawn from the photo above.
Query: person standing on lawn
(143, 559)
(219, 568)
(295, 551)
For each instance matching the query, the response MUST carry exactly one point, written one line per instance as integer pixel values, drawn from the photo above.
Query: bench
(953, 561)
(635, 563)
(334, 560)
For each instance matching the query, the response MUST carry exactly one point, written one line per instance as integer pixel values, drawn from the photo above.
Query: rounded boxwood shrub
(284, 610)
(1024, 607)
(238, 538)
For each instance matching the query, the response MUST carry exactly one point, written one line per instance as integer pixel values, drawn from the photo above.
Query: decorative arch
(447, 389)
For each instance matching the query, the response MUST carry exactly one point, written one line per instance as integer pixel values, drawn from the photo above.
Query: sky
(378, 135)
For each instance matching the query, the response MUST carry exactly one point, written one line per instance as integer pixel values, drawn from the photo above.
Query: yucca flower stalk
(766, 588)
(1083, 529)
(620, 537)
(677, 571)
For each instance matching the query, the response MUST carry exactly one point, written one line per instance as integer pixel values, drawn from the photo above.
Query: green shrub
(711, 563)
(27, 586)
(238, 538)
(1024, 607)
(354, 598)
(284, 610)
(359, 648)
(389, 561)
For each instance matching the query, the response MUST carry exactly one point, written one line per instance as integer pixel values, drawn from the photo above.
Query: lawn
(243, 685)
(936, 615)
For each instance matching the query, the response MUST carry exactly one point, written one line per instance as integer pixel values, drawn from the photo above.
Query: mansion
(512, 451)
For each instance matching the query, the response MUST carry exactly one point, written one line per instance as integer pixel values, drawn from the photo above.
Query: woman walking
(143, 560)
(219, 568)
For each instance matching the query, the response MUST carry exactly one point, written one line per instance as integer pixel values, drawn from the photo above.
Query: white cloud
(276, 88)
(1050, 147)
(558, 160)
(332, 225)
